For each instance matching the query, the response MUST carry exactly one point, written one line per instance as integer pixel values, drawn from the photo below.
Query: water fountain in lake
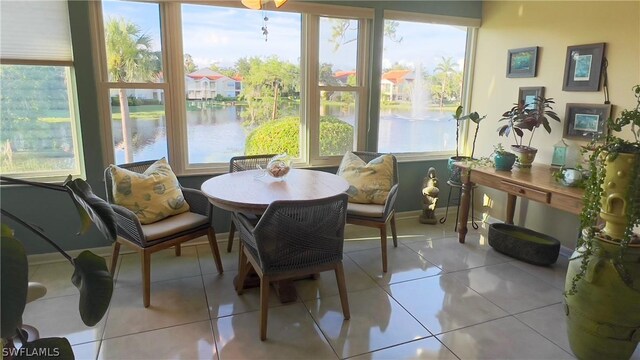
(419, 95)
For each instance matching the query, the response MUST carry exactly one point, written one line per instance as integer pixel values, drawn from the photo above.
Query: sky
(218, 35)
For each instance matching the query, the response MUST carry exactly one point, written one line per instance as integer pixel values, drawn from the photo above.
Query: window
(421, 85)
(135, 84)
(241, 85)
(340, 84)
(39, 129)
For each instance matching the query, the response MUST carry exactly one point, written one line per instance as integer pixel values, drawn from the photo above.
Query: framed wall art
(586, 121)
(583, 67)
(522, 62)
(528, 95)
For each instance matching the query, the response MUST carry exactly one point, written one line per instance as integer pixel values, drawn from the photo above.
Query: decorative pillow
(368, 183)
(152, 196)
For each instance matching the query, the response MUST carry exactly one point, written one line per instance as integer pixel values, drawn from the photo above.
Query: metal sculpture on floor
(430, 193)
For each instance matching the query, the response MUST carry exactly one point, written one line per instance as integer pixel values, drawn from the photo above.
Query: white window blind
(35, 30)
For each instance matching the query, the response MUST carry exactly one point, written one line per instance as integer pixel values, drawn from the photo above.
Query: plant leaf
(47, 348)
(519, 132)
(92, 208)
(95, 283)
(458, 113)
(546, 125)
(14, 273)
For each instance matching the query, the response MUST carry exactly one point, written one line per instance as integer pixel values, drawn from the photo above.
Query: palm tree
(129, 59)
(446, 67)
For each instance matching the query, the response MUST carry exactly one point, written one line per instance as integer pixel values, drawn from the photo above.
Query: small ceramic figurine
(429, 197)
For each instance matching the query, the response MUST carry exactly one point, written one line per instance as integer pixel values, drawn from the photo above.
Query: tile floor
(439, 300)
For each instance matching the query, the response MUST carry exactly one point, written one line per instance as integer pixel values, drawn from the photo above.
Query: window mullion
(175, 111)
(312, 100)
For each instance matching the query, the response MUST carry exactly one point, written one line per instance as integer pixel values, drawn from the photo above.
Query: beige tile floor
(439, 300)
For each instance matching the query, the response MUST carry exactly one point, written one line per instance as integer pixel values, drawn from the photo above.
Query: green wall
(55, 213)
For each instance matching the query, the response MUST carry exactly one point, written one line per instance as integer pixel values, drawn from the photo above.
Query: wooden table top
(539, 176)
(247, 192)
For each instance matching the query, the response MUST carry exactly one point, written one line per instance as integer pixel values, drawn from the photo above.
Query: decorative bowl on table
(279, 166)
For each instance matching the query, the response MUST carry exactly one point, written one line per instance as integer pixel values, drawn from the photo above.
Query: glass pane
(421, 86)
(338, 52)
(141, 134)
(337, 122)
(132, 40)
(242, 87)
(37, 125)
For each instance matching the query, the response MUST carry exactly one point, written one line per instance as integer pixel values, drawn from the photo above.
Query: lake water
(217, 134)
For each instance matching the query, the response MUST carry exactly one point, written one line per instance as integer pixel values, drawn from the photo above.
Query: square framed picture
(583, 67)
(528, 95)
(586, 121)
(522, 62)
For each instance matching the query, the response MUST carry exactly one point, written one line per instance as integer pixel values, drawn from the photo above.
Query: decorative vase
(526, 155)
(613, 206)
(504, 161)
(603, 316)
(455, 172)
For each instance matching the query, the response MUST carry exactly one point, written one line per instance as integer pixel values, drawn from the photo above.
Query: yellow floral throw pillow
(368, 183)
(152, 196)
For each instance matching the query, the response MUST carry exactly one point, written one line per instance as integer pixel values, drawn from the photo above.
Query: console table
(536, 184)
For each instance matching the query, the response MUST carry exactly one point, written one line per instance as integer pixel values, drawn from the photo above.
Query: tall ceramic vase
(603, 316)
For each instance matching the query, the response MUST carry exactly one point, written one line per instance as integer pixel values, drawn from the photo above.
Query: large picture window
(420, 86)
(200, 91)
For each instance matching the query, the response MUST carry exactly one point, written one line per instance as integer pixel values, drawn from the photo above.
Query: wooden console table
(535, 184)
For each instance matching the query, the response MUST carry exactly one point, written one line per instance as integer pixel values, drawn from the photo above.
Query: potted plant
(90, 275)
(474, 117)
(503, 160)
(602, 289)
(527, 117)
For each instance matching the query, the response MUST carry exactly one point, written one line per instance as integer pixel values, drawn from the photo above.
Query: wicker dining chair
(163, 234)
(242, 163)
(292, 239)
(375, 215)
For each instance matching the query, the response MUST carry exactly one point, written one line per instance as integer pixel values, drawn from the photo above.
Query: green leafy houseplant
(90, 275)
(503, 159)
(603, 279)
(475, 118)
(454, 171)
(527, 117)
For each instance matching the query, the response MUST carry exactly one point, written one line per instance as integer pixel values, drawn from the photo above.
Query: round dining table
(252, 191)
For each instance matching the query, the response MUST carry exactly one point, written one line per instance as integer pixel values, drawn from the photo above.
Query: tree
(262, 82)
(129, 59)
(344, 31)
(189, 65)
(226, 71)
(443, 71)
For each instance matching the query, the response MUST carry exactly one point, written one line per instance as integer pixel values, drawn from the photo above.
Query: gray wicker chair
(292, 239)
(242, 163)
(172, 231)
(375, 215)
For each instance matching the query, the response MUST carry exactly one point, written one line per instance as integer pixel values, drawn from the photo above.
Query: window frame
(173, 85)
(472, 26)
(74, 114)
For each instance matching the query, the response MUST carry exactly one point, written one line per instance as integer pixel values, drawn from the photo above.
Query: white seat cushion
(368, 210)
(173, 225)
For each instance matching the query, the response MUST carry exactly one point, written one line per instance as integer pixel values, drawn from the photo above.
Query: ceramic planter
(504, 161)
(613, 207)
(524, 244)
(526, 155)
(603, 316)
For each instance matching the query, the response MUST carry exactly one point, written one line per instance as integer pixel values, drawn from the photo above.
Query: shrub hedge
(283, 135)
